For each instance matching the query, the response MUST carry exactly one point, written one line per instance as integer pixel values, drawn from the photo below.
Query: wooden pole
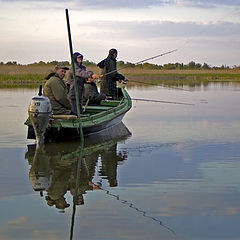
(74, 77)
(80, 126)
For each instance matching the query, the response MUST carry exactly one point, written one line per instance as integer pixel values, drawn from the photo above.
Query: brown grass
(44, 69)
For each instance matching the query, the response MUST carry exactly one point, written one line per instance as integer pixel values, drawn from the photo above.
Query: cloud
(214, 43)
(207, 3)
(160, 29)
(103, 4)
(109, 4)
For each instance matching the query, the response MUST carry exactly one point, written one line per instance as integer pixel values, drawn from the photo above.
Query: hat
(112, 51)
(78, 55)
(61, 66)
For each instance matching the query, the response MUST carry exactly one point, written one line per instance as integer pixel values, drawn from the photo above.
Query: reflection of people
(110, 160)
(56, 90)
(58, 163)
(110, 75)
(91, 93)
(81, 76)
(78, 187)
(58, 188)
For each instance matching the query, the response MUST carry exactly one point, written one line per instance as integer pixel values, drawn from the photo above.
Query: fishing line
(161, 101)
(160, 85)
(97, 181)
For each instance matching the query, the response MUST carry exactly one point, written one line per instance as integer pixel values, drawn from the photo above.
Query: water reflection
(55, 167)
(178, 83)
(182, 170)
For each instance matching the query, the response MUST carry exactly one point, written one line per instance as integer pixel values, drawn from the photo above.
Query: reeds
(33, 75)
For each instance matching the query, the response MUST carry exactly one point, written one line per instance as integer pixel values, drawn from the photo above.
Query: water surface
(176, 176)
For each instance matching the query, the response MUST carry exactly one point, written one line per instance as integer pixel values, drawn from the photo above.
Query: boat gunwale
(98, 118)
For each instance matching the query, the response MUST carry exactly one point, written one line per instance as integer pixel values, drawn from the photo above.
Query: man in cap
(108, 84)
(56, 90)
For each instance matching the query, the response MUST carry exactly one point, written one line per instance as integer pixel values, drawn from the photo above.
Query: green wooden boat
(95, 119)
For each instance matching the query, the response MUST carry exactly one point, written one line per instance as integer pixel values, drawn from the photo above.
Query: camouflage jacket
(56, 90)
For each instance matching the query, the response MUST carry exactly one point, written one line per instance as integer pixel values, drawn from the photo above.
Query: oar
(160, 101)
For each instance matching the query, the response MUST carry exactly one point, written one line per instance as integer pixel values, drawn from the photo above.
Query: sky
(203, 31)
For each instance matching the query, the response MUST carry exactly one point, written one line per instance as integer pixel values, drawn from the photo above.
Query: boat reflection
(57, 168)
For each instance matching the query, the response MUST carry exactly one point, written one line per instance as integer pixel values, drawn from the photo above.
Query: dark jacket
(91, 93)
(81, 76)
(56, 90)
(108, 82)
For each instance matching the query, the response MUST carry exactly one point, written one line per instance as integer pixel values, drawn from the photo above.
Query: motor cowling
(39, 112)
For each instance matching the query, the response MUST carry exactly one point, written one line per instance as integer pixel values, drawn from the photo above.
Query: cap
(78, 55)
(61, 66)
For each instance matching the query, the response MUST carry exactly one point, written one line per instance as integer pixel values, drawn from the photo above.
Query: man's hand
(89, 80)
(95, 76)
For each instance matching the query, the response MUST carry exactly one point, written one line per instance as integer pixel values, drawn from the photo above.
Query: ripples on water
(175, 177)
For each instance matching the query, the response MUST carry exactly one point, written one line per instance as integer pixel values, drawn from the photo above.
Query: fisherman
(56, 90)
(108, 84)
(92, 94)
(81, 76)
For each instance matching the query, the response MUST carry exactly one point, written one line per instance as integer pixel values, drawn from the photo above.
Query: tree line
(121, 64)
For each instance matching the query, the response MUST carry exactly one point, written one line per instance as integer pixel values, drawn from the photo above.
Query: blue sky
(202, 31)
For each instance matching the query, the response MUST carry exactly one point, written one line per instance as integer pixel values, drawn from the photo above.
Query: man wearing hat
(81, 76)
(56, 90)
(108, 84)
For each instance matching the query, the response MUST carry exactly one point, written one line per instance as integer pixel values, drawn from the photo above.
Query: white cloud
(207, 3)
(157, 29)
(103, 4)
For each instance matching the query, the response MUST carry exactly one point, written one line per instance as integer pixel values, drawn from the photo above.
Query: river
(175, 176)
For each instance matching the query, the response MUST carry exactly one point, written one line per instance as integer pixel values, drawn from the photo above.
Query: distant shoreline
(27, 76)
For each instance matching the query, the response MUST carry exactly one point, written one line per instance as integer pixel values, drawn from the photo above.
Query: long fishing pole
(161, 101)
(144, 60)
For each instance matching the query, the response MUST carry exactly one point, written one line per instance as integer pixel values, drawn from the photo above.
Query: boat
(43, 126)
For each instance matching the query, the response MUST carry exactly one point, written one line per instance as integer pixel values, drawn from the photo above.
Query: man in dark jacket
(91, 94)
(108, 84)
(56, 90)
(81, 76)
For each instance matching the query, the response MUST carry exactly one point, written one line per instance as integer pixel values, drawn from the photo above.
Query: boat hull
(100, 118)
(65, 134)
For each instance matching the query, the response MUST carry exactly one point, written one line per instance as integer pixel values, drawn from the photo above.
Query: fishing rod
(160, 101)
(144, 60)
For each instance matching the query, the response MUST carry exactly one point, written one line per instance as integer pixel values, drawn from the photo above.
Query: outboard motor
(39, 112)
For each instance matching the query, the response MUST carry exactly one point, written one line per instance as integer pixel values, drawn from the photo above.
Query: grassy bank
(26, 76)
